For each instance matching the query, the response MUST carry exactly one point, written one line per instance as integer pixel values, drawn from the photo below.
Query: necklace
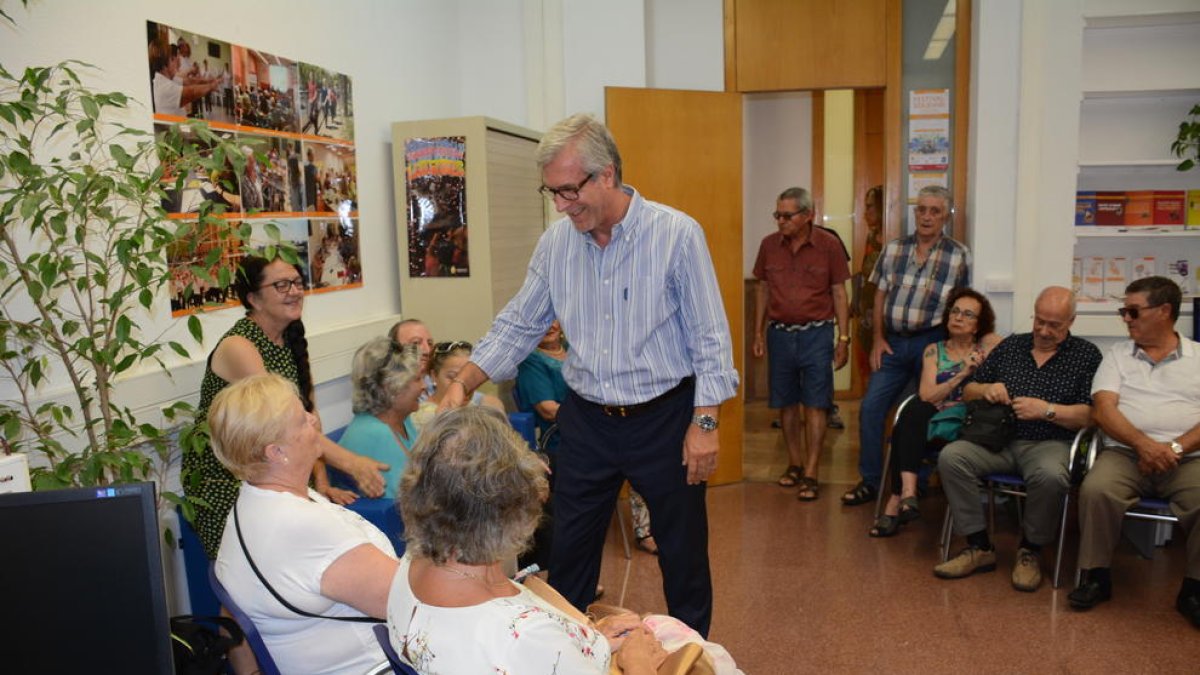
(557, 350)
(471, 575)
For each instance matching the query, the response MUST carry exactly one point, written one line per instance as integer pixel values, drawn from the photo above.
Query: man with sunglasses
(631, 281)
(1046, 377)
(801, 292)
(1147, 398)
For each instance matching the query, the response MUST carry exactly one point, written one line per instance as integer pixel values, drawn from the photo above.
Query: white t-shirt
(518, 634)
(167, 95)
(293, 542)
(1160, 399)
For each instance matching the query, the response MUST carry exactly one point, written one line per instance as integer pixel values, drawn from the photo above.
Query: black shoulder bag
(992, 425)
(197, 645)
(353, 619)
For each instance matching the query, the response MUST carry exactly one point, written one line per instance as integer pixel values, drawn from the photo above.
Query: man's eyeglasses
(567, 192)
(1134, 312)
(447, 347)
(964, 313)
(785, 215)
(285, 285)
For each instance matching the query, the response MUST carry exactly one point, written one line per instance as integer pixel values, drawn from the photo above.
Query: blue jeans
(884, 391)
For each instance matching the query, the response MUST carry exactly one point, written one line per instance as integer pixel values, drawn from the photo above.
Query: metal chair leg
(947, 525)
(1062, 537)
(885, 480)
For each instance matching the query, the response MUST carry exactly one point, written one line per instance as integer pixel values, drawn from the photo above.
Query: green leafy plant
(1187, 144)
(84, 244)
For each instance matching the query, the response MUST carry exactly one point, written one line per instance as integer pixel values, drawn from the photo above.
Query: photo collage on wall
(435, 174)
(294, 123)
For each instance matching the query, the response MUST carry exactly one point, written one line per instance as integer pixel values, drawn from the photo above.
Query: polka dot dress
(213, 482)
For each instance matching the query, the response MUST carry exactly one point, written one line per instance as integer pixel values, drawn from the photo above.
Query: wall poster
(435, 175)
(295, 124)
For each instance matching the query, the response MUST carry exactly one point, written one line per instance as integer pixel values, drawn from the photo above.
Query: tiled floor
(801, 588)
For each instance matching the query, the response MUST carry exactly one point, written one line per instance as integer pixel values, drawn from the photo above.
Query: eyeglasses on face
(785, 215)
(964, 313)
(285, 285)
(1134, 312)
(567, 192)
(447, 347)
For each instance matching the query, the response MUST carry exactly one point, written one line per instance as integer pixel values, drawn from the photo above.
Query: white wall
(685, 44)
(992, 187)
(777, 154)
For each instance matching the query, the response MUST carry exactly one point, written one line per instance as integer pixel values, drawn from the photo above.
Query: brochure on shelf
(1110, 208)
(1093, 277)
(1116, 276)
(1142, 267)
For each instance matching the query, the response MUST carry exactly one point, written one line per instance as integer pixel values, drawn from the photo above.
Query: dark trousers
(596, 454)
(910, 440)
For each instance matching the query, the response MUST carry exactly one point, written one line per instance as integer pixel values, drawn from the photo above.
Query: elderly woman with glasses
(470, 498)
(386, 377)
(269, 339)
(947, 365)
(311, 574)
(445, 364)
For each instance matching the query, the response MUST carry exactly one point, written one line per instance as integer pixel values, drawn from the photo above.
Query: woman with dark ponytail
(269, 339)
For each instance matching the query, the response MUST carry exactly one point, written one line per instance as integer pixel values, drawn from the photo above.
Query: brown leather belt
(634, 409)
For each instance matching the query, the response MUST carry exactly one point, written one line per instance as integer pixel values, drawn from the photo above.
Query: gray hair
(799, 195)
(941, 193)
(380, 371)
(592, 140)
(471, 490)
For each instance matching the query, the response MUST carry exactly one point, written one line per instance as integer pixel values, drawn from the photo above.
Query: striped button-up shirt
(916, 292)
(642, 313)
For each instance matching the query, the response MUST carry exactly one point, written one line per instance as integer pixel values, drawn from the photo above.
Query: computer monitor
(81, 580)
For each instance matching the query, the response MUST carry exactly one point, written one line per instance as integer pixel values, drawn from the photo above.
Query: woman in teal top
(386, 377)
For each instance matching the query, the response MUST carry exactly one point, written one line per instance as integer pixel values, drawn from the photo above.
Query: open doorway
(831, 143)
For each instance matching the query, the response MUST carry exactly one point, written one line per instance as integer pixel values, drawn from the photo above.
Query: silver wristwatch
(705, 422)
(1177, 448)
(1050, 414)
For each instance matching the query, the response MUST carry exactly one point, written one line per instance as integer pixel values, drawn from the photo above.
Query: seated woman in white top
(470, 498)
(318, 556)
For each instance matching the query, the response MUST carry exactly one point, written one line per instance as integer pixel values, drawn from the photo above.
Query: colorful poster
(294, 125)
(435, 174)
(929, 130)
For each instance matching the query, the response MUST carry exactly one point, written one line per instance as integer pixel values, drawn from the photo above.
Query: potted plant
(1187, 143)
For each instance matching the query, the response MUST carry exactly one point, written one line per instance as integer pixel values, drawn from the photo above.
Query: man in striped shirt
(913, 277)
(632, 283)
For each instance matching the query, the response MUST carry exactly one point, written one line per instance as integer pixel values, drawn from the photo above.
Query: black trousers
(597, 453)
(910, 442)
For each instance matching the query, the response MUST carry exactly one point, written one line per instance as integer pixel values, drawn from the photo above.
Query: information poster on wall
(435, 174)
(294, 123)
(929, 129)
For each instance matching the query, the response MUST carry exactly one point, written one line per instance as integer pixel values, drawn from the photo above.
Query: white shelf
(1139, 20)
(1131, 163)
(1179, 92)
(1134, 232)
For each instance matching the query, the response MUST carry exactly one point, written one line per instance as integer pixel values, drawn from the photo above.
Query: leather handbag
(992, 425)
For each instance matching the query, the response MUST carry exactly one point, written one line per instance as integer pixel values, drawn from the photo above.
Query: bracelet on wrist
(466, 389)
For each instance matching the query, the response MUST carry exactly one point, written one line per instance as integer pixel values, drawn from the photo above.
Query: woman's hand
(615, 628)
(338, 495)
(641, 653)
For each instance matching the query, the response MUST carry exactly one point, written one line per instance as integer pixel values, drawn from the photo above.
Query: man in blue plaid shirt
(913, 276)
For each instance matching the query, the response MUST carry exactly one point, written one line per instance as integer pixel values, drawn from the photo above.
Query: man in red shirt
(801, 293)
